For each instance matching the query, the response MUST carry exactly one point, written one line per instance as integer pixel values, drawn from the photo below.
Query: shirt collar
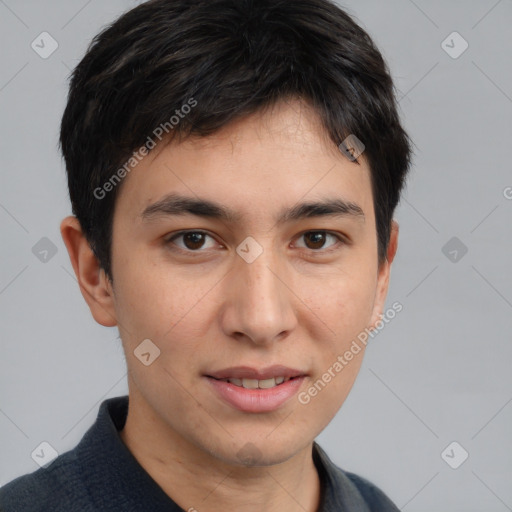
(106, 464)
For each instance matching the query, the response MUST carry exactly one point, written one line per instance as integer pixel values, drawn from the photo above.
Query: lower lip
(256, 400)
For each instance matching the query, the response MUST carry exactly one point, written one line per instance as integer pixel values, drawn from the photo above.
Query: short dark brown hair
(232, 58)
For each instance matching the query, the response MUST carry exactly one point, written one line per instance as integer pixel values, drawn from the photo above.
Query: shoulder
(373, 497)
(75, 478)
(56, 487)
(343, 490)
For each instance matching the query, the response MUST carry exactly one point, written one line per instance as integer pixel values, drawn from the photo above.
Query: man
(233, 167)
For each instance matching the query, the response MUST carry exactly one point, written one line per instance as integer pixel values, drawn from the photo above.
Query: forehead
(278, 155)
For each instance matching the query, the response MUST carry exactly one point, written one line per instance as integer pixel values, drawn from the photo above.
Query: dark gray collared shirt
(100, 475)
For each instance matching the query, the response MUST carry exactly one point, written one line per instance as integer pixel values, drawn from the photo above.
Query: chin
(254, 453)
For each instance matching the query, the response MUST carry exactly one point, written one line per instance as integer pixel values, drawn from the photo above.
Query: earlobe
(384, 274)
(94, 284)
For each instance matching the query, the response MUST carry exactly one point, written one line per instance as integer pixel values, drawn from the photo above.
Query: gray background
(439, 372)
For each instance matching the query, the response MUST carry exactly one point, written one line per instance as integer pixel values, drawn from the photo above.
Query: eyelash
(340, 238)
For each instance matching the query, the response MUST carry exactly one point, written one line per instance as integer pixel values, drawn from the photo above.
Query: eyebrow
(175, 204)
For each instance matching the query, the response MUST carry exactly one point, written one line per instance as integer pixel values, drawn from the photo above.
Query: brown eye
(316, 240)
(191, 241)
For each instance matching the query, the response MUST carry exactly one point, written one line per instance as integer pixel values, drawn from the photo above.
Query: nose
(259, 303)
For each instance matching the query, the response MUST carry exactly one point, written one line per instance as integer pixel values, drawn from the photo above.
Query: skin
(299, 304)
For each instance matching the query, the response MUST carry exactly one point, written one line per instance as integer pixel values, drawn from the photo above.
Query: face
(256, 285)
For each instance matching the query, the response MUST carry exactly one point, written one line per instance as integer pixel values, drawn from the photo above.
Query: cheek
(140, 303)
(342, 309)
(162, 306)
(328, 390)
(147, 303)
(345, 307)
(342, 301)
(355, 306)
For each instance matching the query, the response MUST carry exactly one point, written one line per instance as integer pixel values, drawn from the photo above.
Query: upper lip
(246, 372)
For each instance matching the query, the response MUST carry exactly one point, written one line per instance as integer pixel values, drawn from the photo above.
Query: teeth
(267, 383)
(258, 384)
(250, 383)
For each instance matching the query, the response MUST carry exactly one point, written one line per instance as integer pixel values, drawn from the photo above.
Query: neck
(196, 480)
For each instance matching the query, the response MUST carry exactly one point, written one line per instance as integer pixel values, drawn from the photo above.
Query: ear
(94, 284)
(383, 277)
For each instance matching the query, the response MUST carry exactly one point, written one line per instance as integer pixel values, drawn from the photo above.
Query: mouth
(257, 384)
(256, 390)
